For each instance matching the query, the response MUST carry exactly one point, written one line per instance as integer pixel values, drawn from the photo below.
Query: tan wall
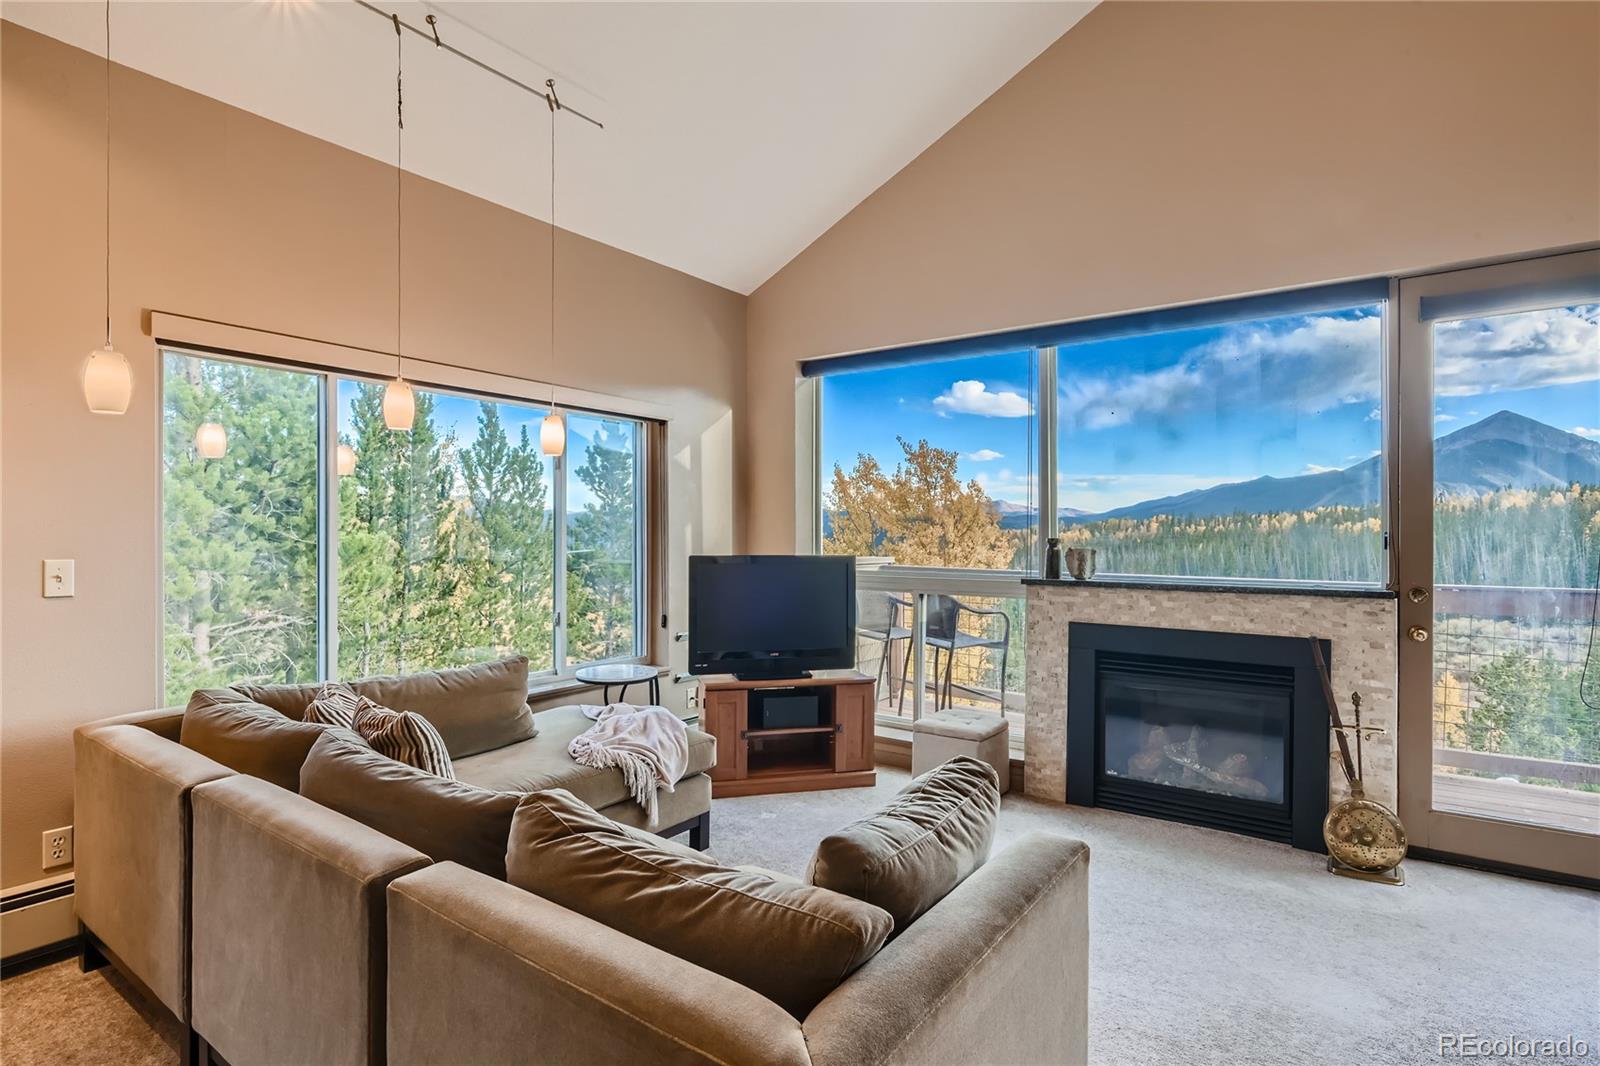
(221, 214)
(1166, 153)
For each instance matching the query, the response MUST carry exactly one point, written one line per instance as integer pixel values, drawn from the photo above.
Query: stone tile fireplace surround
(1359, 623)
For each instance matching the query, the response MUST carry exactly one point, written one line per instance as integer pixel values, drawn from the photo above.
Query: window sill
(1267, 588)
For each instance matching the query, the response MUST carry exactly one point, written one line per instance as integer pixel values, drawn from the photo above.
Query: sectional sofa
(280, 930)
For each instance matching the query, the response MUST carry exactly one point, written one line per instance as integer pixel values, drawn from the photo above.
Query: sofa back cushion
(288, 700)
(246, 736)
(786, 940)
(922, 844)
(475, 708)
(444, 819)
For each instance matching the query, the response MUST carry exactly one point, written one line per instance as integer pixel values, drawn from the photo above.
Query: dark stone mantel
(1357, 592)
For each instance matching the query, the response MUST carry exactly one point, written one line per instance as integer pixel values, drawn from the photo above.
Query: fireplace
(1225, 730)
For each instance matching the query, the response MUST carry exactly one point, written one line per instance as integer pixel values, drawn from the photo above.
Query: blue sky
(1166, 413)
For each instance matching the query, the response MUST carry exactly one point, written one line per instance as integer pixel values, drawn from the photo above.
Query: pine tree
(600, 550)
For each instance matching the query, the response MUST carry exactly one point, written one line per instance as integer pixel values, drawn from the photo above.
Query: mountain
(1505, 450)
(1020, 516)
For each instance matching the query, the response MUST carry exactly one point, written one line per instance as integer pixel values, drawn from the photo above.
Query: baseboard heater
(36, 921)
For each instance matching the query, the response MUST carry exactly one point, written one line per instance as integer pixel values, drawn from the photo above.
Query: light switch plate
(59, 578)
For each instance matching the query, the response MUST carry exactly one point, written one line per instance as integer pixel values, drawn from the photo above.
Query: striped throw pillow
(404, 736)
(334, 704)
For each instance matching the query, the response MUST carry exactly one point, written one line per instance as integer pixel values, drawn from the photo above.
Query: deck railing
(1508, 664)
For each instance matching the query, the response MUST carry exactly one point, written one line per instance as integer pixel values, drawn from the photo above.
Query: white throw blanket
(650, 745)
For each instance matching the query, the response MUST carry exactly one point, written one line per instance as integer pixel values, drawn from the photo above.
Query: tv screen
(771, 615)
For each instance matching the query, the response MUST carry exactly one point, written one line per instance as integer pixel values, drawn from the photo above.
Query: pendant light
(553, 430)
(211, 440)
(107, 379)
(399, 402)
(345, 460)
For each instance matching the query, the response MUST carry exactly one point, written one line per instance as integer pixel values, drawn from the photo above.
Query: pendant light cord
(399, 164)
(551, 100)
(108, 175)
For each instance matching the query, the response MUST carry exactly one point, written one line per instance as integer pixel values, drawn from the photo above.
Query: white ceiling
(736, 133)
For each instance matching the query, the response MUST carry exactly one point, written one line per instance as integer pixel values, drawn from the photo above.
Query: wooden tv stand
(835, 754)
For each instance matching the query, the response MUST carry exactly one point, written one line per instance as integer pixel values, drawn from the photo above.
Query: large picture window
(240, 544)
(446, 535)
(429, 548)
(932, 464)
(1241, 450)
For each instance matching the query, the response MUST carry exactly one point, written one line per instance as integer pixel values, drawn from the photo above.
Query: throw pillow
(922, 844)
(335, 704)
(246, 736)
(475, 708)
(405, 736)
(449, 821)
(786, 940)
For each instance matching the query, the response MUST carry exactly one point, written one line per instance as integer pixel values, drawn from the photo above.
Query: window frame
(328, 379)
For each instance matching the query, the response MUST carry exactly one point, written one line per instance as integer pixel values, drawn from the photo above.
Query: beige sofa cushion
(544, 763)
(475, 708)
(445, 820)
(788, 941)
(246, 736)
(922, 844)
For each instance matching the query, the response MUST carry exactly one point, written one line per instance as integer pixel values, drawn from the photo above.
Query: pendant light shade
(553, 434)
(107, 382)
(399, 406)
(211, 440)
(346, 460)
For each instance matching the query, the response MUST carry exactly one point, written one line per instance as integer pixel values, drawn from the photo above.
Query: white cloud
(985, 455)
(1442, 417)
(1310, 363)
(1592, 432)
(974, 398)
(1318, 468)
(1528, 350)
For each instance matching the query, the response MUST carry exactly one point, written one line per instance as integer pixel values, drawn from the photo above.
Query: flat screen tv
(771, 616)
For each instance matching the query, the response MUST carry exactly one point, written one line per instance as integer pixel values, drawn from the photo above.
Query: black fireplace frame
(1306, 794)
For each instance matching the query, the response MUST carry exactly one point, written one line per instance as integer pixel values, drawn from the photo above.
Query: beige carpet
(1206, 948)
(57, 1014)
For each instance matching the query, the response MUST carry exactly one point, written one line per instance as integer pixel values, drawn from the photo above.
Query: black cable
(1587, 694)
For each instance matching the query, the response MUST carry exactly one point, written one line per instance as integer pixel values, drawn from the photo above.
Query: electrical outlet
(691, 698)
(57, 847)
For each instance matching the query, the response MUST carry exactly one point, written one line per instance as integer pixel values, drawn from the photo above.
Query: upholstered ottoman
(938, 738)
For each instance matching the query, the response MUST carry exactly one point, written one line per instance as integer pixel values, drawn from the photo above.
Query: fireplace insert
(1223, 730)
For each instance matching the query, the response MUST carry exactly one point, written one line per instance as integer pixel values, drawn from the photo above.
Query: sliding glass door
(1499, 444)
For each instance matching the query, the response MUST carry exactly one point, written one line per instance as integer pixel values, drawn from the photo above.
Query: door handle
(1418, 634)
(1417, 594)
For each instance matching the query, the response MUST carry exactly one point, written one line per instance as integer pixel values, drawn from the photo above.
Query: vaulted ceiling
(735, 133)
